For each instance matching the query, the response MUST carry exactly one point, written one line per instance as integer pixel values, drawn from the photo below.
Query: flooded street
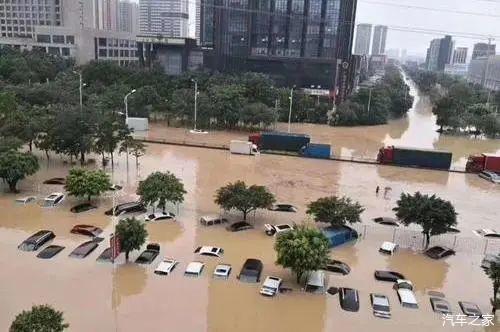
(129, 297)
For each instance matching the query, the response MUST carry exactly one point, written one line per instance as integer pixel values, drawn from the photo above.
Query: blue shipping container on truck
(284, 141)
(316, 150)
(422, 158)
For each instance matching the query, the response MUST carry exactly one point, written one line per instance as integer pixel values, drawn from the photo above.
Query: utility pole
(369, 101)
(290, 111)
(195, 101)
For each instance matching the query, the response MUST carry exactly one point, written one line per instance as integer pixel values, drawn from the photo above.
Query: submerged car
(438, 252)
(388, 248)
(53, 199)
(26, 200)
(390, 276)
(212, 220)
(35, 241)
(404, 289)
(349, 299)
(222, 271)
(84, 249)
(87, 230)
(283, 208)
(486, 232)
(277, 229)
(83, 208)
(50, 251)
(271, 286)
(251, 270)
(149, 255)
(440, 305)
(194, 269)
(57, 181)
(490, 176)
(115, 187)
(130, 207)
(387, 221)
(239, 226)
(470, 309)
(166, 266)
(337, 267)
(209, 251)
(157, 216)
(105, 256)
(380, 305)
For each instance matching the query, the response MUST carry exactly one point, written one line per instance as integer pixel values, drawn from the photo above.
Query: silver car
(380, 305)
(490, 176)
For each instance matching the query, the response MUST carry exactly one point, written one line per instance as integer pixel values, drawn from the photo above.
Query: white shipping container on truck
(243, 147)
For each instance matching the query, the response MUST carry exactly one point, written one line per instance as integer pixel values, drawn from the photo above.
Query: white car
(388, 248)
(26, 200)
(166, 266)
(380, 305)
(159, 216)
(271, 286)
(194, 269)
(406, 296)
(487, 232)
(490, 176)
(277, 229)
(209, 251)
(53, 199)
(222, 271)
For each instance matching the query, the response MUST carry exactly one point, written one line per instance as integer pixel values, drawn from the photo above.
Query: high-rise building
(363, 37)
(460, 55)
(379, 39)
(166, 18)
(439, 53)
(483, 50)
(304, 42)
(485, 71)
(433, 54)
(107, 14)
(128, 16)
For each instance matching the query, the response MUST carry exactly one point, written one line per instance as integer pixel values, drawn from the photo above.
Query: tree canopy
(87, 183)
(41, 318)
(335, 210)
(435, 215)
(15, 166)
(243, 198)
(161, 188)
(132, 235)
(302, 249)
(493, 272)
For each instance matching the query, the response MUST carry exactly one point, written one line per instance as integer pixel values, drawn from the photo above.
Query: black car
(105, 256)
(149, 255)
(440, 305)
(349, 299)
(388, 276)
(337, 267)
(438, 252)
(126, 208)
(283, 208)
(251, 270)
(50, 251)
(84, 249)
(35, 241)
(57, 181)
(387, 221)
(239, 226)
(470, 309)
(83, 207)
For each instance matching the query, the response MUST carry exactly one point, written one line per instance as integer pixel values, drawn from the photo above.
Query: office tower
(483, 50)
(166, 18)
(363, 36)
(379, 39)
(460, 55)
(128, 16)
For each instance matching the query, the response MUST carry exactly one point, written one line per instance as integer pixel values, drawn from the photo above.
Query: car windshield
(27, 246)
(379, 307)
(221, 271)
(272, 289)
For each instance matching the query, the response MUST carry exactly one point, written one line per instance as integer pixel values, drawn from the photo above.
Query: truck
(483, 162)
(243, 147)
(316, 150)
(279, 141)
(413, 157)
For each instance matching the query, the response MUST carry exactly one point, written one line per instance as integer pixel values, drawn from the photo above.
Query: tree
(132, 234)
(493, 272)
(41, 318)
(15, 166)
(9, 143)
(242, 198)
(86, 183)
(335, 210)
(110, 131)
(302, 249)
(161, 187)
(137, 149)
(435, 215)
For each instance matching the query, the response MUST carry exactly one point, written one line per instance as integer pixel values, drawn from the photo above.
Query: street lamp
(195, 101)
(290, 111)
(125, 101)
(81, 87)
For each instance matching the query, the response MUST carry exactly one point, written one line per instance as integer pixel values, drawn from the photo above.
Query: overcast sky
(486, 22)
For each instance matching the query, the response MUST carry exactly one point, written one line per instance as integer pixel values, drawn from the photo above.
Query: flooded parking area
(130, 297)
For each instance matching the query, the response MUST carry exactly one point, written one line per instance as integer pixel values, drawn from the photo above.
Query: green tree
(87, 183)
(110, 131)
(15, 166)
(435, 215)
(162, 188)
(41, 318)
(135, 148)
(302, 249)
(243, 198)
(132, 234)
(493, 272)
(335, 210)
(9, 143)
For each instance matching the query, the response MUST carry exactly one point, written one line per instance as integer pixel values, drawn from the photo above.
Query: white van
(316, 282)
(212, 220)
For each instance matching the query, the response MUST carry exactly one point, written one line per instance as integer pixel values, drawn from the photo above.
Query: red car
(87, 230)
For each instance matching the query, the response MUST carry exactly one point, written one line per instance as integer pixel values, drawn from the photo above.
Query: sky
(484, 22)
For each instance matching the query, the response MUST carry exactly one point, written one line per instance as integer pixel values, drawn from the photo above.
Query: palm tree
(493, 272)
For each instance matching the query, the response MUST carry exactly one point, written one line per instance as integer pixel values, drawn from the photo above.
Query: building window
(58, 39)
(54, 50)
(65, 51)
(102, 52)
(102, 41)
(70, 40)
(43, 38)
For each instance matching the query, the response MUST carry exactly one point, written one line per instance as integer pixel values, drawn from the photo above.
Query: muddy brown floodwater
(129, 297)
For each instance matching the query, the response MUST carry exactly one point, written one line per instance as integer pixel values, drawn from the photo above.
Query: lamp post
(195, 101)
(290, 111)
(125, 101)
(80, 88)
